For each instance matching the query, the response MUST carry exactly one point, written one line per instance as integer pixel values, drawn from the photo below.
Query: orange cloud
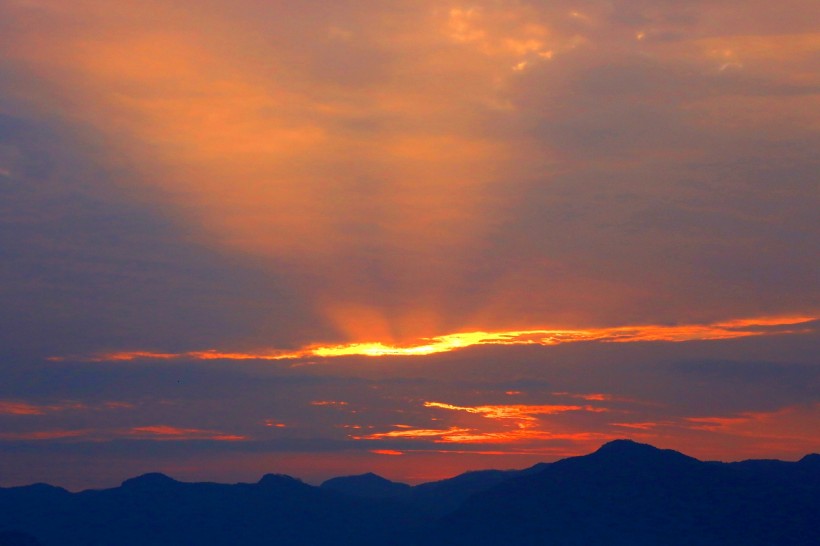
(118, 405)
(792, 423)
(603, 397)
(787, 430)
(517, 412)
(783, 433)
(44, 435)
(8, 407)
(414, 433)
(459, 435)
(273, 423)
(165, 432)
(151, 432)
(386, 452)
(648, 425)
(13, 407)
(598, 397)
(518, 424)
(526, 435)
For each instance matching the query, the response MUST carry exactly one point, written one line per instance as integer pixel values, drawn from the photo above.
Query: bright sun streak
(440, 344)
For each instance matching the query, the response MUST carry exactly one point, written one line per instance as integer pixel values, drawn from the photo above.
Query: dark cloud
(84, 268)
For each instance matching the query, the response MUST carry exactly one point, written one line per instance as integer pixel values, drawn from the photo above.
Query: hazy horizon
(318, 482)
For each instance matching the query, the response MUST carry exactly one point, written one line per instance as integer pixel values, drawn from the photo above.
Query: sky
(404, 236)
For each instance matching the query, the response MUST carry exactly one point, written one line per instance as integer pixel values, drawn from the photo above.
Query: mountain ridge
(623, 493)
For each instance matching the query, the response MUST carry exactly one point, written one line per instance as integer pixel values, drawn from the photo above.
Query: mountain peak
(152, 480)
(633, 451)
(625, 445)
(365, 485)
(811, 458)
(368, 477)
(41, 487)
(279, 479)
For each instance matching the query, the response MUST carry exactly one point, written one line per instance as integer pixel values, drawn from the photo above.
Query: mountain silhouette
(366, 485)
(432, 498)
(444, 496)
(625, 493)
(149, 482)
(635, 494)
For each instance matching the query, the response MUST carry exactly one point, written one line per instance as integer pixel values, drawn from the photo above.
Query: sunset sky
(404, 236)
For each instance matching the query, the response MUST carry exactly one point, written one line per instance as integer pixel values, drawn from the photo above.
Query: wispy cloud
(21, 408)
(516, 412)
(166, 432)
(148, 432)
(45, 435)
(789, 428)
(16, 407)
(514, 424)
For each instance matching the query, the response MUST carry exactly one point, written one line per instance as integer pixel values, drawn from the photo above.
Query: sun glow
(737, 328)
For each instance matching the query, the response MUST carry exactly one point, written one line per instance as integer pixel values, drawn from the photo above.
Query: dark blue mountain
(634, 494)
(158, 511)
(444, 496)
(15, 538)
(623, 494)
(432, 498)
(367, 485)
(149, 482)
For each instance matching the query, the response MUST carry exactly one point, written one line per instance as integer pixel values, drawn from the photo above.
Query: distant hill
(624, 493)
(444, 496)
(366, 485)
(433, 498)
(634, 494)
